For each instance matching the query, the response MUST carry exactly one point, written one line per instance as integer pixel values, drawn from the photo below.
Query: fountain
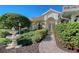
(14, 38)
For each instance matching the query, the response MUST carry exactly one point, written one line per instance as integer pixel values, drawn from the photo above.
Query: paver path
(48, 45)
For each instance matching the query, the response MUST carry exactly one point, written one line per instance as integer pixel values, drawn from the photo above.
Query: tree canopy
(38, 21)
(10, 20)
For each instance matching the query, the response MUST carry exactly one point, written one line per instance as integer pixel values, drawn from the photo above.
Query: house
(49, 17)
(71, 12)
(52, 17)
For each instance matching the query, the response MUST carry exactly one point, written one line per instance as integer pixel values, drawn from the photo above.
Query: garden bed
(59, 43)
(67, 35)
(29, 41)
(32, 37)
(34, 48)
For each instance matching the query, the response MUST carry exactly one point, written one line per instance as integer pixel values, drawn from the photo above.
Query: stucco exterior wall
(53, 15)
(45, 16)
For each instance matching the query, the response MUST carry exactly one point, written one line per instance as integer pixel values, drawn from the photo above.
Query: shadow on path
(48, 38)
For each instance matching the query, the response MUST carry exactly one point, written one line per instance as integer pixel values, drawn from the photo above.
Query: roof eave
(51, 10)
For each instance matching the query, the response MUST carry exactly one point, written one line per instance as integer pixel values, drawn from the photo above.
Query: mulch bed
(34, 48)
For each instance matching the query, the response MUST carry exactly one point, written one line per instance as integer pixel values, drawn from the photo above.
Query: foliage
(39, 22)
(4, 41)
(32, 36)
(3, 33)
(23, 31)
(69, 34)
(39, 34)
(9, 20)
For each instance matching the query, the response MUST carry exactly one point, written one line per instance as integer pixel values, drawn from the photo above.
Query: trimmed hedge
(32, 37)
(39, 34)
(68, 34)
(4, 41)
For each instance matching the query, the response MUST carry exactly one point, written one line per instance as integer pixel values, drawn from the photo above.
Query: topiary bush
(26, 38)
(32, 37)
(39, 35)
(24, 41)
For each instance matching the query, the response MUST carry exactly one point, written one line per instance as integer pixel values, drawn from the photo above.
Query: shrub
(69, 34)
(23, 31)
(32, 36)
(39, 34)
(24, 41)
(25, 38)
(5, 41)
(3, 33)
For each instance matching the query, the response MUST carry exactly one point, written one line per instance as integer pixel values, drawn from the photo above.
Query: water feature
(14, 38)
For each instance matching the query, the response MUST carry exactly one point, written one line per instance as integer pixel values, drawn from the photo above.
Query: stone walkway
(48, 45)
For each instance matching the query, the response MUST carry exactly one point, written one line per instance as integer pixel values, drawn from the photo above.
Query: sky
(28, 10)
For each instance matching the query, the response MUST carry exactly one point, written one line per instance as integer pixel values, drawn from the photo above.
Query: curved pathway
(48, 45)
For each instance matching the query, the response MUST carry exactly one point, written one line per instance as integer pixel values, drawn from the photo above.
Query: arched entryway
(50, 23)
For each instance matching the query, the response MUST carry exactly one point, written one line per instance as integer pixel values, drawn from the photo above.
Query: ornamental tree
(10, 20)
